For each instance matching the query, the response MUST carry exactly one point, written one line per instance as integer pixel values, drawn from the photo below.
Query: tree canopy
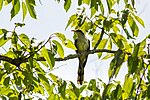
(113, 26)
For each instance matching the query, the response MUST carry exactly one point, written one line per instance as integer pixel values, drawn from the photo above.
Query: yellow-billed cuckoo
(82, 44)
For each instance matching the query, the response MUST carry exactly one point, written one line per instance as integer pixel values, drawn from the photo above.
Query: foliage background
(53, 26)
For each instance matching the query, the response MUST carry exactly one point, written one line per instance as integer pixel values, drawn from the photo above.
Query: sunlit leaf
(3, 41)
(139, 20)
(60, 49)
(24, 39)
(68, 43)
(128, 84)
(54, 77)
(30, 5)
(2, 31)
(102, 46)
(107, 56)
(125, 1)
(61, 36)
(133, 26)
(86, 2)
(93, 11)
(24, 10)
(1, 4)
(6, 91)
(16, 8)
(48, 57)
(82, 88)
(71, 19)
(109, 44)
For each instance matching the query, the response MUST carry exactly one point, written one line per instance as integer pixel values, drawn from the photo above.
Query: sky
(52, 18)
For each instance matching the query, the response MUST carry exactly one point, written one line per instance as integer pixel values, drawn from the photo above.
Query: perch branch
(71, 56)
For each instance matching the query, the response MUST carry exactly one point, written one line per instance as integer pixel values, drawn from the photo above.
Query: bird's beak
(73, 30)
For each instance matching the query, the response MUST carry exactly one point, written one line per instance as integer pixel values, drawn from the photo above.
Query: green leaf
(16, 8)
(107, 56)
(1, 4)
(56, 97)
(71, 19)
(6, 81)
(101, 6)
(67, 5)
(17, 79)
(132, 64)
(93, 11)
(107, 89)
(102, 46)
(54, 77)
(3, 41)
(24, 39)
(62, 89)
(79, 2)
(3, 31)
(24, 10)
(75, 89)
(92, 85)
(133, 3)
(109, 4)
(136, 50)
(139, 20)
(125, 1)
(128, 34)
(86, 2)
(48, 57)
(6, 91)
(109, 44)
(30, 5)
(93, 3)
(118, 92)
(128, 84)
(133, 26)
(82, 88)
(148, 92)
(68, 43)
(14, 39)
(60, 49)
(116, 63)
(47, 87)
(61, 36)
(43, 78)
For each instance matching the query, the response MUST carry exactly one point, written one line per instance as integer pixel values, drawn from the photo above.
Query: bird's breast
(82, 44)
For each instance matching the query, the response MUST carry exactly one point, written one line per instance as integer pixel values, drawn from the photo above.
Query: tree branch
(71, 56)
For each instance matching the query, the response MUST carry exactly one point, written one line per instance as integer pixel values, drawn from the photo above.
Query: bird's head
(78, 33)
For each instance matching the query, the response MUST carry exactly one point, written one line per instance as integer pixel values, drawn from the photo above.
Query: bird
(82, 44)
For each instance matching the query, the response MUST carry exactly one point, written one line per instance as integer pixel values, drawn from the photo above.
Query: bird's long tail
(80, 77)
